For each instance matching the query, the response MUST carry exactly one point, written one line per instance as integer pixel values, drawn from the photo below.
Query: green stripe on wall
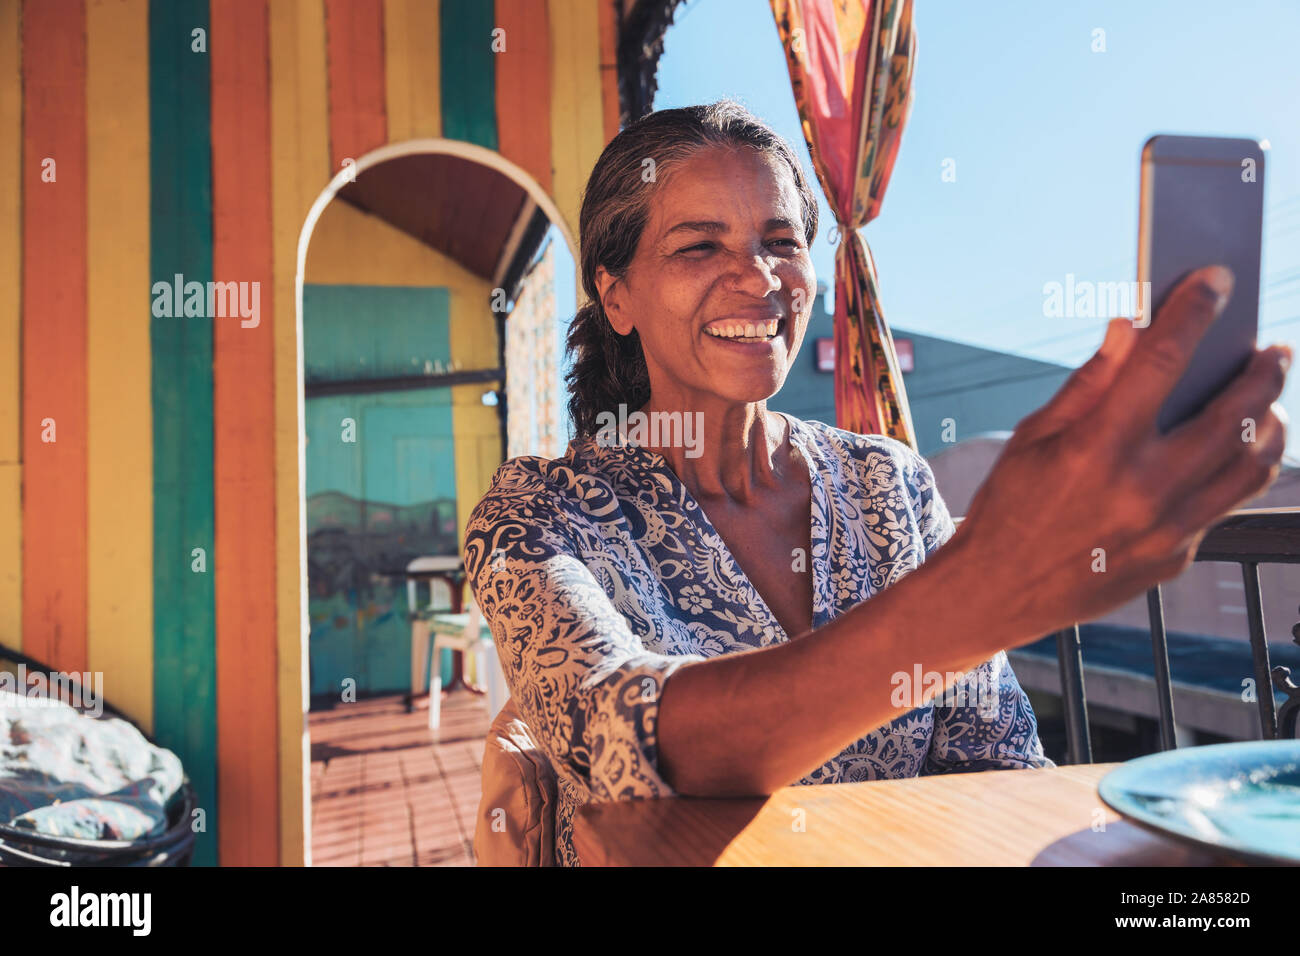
(185, 718)
(468, 72)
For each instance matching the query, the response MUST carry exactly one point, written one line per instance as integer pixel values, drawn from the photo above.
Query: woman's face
(722, 283)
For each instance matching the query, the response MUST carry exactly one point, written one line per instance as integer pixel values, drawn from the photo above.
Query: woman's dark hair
(609, 369)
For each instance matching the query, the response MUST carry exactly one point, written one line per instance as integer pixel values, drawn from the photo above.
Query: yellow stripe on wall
(577, 114)
(413, 80)
(350, 247)
(478, 445)
(609, 68)
(11, 266)
(300, 169)
(120, 454)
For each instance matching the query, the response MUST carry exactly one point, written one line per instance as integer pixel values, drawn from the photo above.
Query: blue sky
(1045, 135)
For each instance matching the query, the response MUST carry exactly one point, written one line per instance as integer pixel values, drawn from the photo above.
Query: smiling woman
(732, 618)
(639, 223)
(604, 572)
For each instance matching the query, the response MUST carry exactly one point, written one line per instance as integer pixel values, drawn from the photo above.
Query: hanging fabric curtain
(851, 68)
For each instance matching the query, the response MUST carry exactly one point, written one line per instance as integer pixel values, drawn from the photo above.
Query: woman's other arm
(583, 682)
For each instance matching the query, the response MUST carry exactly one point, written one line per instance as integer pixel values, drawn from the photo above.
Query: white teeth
(748, 331)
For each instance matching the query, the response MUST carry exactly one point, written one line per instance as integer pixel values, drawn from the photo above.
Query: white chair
(471, 644)
(488, 673)
(439, 603)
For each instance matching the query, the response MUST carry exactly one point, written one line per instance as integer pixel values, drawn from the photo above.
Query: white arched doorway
(538, 200)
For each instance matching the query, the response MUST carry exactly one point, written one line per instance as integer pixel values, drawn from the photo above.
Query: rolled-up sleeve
(581, 679)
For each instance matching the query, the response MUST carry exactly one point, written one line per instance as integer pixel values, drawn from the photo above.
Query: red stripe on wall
(523, 87)
(244, 438)
(54, 332)
(354, 32)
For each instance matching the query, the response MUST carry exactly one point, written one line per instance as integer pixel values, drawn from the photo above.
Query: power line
(1273, 282)
(970, 386)
(1003, 305)
(1041, 373)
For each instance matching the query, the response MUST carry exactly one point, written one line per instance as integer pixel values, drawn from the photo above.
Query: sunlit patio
(384, 793)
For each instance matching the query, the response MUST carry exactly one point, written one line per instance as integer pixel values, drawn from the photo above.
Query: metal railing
(1247, 538)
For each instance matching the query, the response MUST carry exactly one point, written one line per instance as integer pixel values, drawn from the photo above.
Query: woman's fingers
(1240, 484)
(1163, 351)
(1230, 426)
(1241, 477)
(1119, 340)
(1084, 388)
(1090, 469)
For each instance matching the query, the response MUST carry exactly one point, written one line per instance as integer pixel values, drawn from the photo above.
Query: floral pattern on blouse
(600, 575)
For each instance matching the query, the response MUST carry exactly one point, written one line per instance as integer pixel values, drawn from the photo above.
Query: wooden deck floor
(384, 794)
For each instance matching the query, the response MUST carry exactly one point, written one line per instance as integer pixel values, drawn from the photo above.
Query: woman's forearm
(747, 724)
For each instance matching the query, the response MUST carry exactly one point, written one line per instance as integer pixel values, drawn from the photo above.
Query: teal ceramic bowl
(1242, 799)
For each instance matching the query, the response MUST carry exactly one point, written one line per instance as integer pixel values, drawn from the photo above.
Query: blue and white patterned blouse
(600, 575)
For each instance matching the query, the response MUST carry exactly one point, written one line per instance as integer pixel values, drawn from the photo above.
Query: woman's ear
(611, 290)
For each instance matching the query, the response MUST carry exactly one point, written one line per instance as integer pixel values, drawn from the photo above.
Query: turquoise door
(381, 479)
(375, 503)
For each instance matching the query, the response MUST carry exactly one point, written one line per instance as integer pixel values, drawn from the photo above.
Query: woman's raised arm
(1086, 483)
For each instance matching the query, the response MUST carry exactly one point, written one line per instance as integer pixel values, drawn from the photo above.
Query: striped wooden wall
(150, 466)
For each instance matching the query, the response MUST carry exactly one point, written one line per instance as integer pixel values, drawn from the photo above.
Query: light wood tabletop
(1050, 817)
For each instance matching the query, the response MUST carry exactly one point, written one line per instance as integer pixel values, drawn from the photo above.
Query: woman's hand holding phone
(1089, 505)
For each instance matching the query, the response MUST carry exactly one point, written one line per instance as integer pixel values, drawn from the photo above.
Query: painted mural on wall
(351, 538)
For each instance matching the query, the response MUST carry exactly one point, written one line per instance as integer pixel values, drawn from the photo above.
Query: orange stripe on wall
(354, 31)
(54, 332)
(244, 438)
(523, 87)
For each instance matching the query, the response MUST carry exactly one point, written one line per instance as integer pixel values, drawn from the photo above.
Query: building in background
(536, 423)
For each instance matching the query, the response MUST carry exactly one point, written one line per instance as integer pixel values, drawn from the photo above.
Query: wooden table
(997, 818)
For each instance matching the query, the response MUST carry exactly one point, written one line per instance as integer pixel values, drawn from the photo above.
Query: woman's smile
(746, 332)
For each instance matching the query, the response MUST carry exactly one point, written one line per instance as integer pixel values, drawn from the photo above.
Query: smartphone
(1202, 202)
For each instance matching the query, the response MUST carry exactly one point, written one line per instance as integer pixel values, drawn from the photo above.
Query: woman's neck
(730, 451)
